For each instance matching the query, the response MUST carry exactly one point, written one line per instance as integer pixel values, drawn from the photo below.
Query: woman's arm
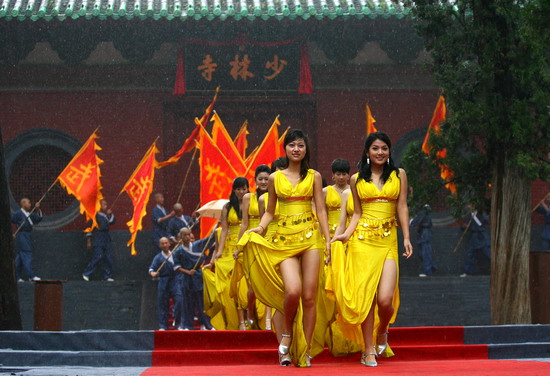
(344, 237)
(321, 210)
(267, 217)
(244, 209)
(343, 213)
(403, 214)
(223, 235)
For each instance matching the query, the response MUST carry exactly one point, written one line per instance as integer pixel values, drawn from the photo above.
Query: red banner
(216, 176)
(81, 179)
(139, 188)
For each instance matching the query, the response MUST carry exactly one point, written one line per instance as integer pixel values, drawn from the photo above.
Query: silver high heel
(308, 360)
(284, 357)
(369, 363)
(241, 324)
(381, 348)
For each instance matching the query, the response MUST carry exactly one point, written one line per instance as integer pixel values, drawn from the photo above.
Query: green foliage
(425, 180)
(492, 60)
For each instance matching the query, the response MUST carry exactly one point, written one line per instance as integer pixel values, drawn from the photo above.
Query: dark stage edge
(134, 348)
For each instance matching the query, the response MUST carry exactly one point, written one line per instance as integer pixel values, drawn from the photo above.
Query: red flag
(240, 141)
(223, 141)
(438, 117)
(208, 112)
(193, 138)
(216, 176)
(268, 151)
(370, 122)
(139, 187)
(81, 179)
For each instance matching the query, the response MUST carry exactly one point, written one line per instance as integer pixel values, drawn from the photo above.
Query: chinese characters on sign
(248, 68)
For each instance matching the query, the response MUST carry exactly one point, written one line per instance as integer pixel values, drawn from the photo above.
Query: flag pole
(33, 209)
(462, 237)
(49, 189)
(170, 254)
(187, 173)
(540, 202)
(210, 237)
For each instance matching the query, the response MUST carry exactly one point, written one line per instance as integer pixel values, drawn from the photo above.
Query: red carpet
(225, 348)
(386, 367)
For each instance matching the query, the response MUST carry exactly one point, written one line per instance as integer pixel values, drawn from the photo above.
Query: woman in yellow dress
(223, 258)
(251, 219)
(332, 197)
(285, 275)
(371, 274)
(333, 193)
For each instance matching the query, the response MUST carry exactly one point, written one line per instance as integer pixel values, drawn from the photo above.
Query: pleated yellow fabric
(337, 343)
(223, 302)
(374, 241)
(296, 233)
(239, 285)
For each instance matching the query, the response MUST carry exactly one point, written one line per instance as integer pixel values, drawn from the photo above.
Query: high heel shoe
(284, 356)
(242, 325)
(250, 324)
(308, 360)
(381, 347)
(369, 363)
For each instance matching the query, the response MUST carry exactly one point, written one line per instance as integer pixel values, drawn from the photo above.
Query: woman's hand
(408, 248)
(328, 260)
(258, 230)
(236, 254)
(340, 238)
(215, 257)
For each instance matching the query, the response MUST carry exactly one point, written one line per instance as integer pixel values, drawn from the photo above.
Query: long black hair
(233, 199)
(261, 168)
(295, 134)
(364, 165)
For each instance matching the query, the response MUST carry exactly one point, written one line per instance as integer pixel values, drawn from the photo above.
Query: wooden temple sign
(245, 68)
(241, 66)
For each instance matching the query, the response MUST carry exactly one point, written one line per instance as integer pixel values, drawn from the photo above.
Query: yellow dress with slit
(373, 242)
(297, 232)
(222, 307)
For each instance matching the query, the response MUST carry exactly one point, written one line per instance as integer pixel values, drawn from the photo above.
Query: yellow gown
(372, 243)
(325, 307)
(222, 307)
(239, 286)
(338, 344)
(297, 232)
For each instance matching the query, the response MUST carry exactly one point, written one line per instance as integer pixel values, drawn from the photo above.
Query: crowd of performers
(317, 265)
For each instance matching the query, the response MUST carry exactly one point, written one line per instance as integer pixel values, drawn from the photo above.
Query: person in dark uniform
(478, 242)
(168, 285)
(23, 241)
(179, 221)
(543, 209)
(188, 258)
(423, 224)
(101, 244)
(161, 219)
